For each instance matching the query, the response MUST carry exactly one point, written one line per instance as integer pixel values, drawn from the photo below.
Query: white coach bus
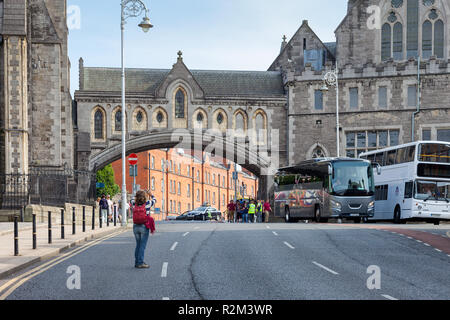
(414, 183)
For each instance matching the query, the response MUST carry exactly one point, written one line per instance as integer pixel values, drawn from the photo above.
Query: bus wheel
(287, 215)
(317, 214)
(397, 215)
(436, 223)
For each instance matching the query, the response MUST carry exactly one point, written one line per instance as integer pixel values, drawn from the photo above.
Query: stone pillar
(15, 109)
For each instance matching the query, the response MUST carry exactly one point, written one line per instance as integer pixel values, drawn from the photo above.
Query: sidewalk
(10, 264)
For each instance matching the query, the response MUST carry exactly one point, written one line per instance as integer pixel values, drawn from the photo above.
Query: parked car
(202, 213)
(187, 216)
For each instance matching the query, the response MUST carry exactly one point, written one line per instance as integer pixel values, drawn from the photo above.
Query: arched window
(98, 124)
(118, 121)
(439, 39)
(386, 42)
(427, 39)
(412, 31)
(160, 117)
(260, 128)
(240, 122)
(318, 153)
(397, 44)
(179, 104)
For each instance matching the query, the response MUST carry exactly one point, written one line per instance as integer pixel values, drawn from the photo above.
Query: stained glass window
(160, 117)
(397, 46)
(179, 104)
(118, 121)
(386, 41)
(427, 40)
(439, 39)
(412, 28)
(98, 124)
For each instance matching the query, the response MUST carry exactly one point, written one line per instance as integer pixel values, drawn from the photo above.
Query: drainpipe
(418, 102)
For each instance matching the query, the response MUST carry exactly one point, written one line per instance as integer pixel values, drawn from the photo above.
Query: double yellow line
(10, 286)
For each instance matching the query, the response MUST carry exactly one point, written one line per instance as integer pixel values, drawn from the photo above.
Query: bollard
(34, 232)
(16, 237)
(115, 216)
(62, 224)
(49, 227)
(73, 221)
(107, 217)
(84, 219)
(93, 218)
(100, 216)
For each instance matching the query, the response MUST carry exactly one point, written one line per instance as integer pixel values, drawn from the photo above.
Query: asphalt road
(215, 261)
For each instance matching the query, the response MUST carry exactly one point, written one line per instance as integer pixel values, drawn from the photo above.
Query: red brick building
(183, 180)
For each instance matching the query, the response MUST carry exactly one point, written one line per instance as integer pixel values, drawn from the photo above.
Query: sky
(212, 34)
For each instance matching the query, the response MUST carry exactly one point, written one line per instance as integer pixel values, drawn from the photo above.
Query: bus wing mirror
(378, 168)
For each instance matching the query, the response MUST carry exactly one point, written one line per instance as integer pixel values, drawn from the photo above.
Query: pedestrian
(231, 209)
(259, 211)
(267, 210)
(110, 207)
(245, 213)
(103, 208)
(251, 211)
(141, 233)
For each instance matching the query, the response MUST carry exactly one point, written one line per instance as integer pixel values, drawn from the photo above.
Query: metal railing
(50, 187)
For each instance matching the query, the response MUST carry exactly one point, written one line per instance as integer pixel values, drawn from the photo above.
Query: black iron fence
(45, 186)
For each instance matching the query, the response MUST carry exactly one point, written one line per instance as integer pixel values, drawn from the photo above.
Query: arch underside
(237, 151)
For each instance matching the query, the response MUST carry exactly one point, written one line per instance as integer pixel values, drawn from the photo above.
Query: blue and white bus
(414, 183)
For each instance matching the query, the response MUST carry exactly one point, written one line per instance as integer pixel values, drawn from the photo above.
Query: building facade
(182, 180)
(386, 97)
(36, 128)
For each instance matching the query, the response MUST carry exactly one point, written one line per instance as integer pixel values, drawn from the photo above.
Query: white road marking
(410, 238)
(184, 235)
(438, 250)
(325, 268)
(289, 245)
(448, 255)
(419, 241)
(389, 297)
(427, 244)
(166, 299)
(164, 270)
(174, 246)
(275, 233)
(267, 227)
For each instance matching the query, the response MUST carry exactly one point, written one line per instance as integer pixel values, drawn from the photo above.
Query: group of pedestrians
(108, 208)
(248, 211)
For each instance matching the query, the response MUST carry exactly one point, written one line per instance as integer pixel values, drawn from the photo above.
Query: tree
(106, 176)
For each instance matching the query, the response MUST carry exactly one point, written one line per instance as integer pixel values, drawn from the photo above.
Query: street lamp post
(332, 79)
(129, 9)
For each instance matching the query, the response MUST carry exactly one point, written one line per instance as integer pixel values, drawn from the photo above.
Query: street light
(331, 79)
(129, 9)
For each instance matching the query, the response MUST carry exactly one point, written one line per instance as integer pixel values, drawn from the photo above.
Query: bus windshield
(352, 179)
(432, 190)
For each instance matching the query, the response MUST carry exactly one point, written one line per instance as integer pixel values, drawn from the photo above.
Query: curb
(56, 252)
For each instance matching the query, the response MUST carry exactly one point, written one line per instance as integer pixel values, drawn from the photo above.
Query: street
(216, 261)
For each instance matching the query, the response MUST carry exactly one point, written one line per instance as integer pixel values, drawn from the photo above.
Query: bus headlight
(371, 206)
(336, 205)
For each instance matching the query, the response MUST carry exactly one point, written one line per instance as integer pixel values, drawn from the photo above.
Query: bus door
(408, 199)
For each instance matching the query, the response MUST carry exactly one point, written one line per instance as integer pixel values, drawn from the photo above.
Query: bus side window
(410, 154)
(409, 190)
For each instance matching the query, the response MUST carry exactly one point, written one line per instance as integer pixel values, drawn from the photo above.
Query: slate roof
(214, 83)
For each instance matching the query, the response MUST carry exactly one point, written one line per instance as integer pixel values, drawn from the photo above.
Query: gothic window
(354, 100)
(412, 38)
(160, 117)
(260, 127)
(427, 39)
(386, 41)
(118, 121)
(139, 117)
(397, 3)
(439, 39)
(220, 118)
(318, 153)
(200, 117)
(397, 46)
(179, 104)
(98, 124)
